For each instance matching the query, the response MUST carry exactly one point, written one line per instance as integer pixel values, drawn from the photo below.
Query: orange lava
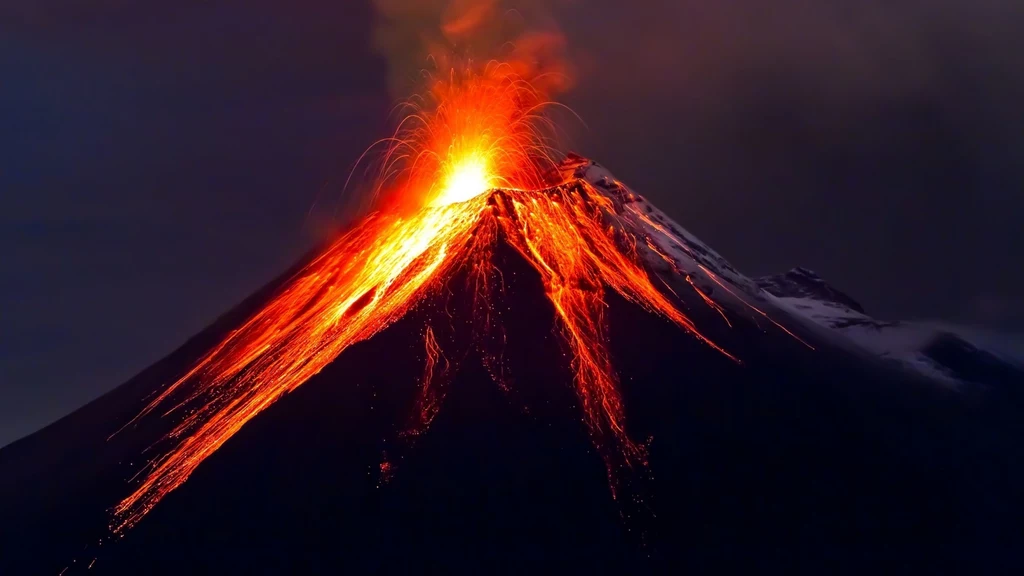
(465, 168)
(472, 132)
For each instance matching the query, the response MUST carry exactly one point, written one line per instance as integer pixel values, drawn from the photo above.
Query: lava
(471, 132)
(469, 164)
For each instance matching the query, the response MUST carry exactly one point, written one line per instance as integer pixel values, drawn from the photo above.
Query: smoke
(419, 38)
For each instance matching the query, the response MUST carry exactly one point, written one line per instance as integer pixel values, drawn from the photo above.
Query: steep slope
(800, 457)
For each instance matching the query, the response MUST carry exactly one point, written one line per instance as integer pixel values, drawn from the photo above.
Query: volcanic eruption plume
(471, 163)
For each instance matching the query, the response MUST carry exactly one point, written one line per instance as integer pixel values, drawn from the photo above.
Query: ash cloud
(426, 36)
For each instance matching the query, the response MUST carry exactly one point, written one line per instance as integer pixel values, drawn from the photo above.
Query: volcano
(582, 385)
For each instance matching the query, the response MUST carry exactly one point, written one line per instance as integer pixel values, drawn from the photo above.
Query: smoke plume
(419, 38)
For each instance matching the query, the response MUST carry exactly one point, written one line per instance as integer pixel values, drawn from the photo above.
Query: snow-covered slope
(948, 354)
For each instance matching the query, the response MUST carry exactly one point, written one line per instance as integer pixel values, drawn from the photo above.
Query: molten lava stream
(563, 235)
(360, 285)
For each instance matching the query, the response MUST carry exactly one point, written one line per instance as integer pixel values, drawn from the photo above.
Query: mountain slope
(948, 354)
(802, 458)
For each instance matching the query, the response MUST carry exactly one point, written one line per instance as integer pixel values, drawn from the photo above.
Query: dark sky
(160, 162)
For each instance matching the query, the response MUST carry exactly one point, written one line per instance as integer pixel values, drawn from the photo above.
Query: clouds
(422, 36)
(880, 143)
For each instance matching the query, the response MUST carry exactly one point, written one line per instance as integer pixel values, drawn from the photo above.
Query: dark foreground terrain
(795, 462)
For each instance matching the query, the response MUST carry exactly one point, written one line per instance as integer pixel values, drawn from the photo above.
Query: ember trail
(470, 162)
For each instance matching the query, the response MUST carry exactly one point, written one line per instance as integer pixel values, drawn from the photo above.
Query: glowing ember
(468, 179)
(464, 169)
(471, 133)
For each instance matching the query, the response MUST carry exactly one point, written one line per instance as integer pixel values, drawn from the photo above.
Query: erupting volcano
(398, 401)
(477, 170)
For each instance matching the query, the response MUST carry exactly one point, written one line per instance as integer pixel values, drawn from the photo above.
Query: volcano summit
(515, 380)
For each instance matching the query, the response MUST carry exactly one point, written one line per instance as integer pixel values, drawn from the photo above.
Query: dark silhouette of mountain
(795, 461)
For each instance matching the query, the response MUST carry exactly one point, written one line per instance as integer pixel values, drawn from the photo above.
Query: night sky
(160, 162)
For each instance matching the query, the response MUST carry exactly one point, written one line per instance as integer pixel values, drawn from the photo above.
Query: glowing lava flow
(479, 133)
(360, 285)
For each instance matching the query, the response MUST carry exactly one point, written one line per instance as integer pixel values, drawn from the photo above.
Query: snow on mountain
(668, 243)
(948, 354)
